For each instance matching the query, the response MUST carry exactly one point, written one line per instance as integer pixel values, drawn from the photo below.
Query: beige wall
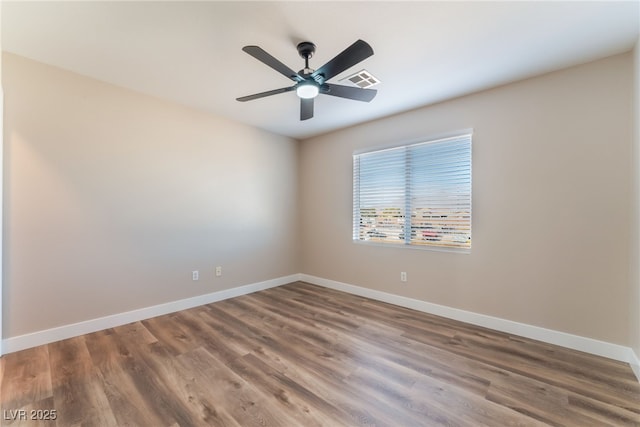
(551, 190)
(113, 198)
(634, 300)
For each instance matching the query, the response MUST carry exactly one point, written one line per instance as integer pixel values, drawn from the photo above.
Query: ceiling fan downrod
(306, 50)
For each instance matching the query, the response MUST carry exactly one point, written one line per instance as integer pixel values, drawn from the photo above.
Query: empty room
(320, 213)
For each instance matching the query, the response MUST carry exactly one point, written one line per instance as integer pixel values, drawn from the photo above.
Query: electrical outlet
(403, 276)
(218, 271)
(195, 275)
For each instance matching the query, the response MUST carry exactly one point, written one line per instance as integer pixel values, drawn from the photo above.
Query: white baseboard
(588, 345)
(47, 336)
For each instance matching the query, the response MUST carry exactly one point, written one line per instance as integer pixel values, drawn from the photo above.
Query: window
(418, 194)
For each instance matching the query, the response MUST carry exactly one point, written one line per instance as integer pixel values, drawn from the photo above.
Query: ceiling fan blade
(306, 108)
(349, 57)
(262, 56)
(348, 92)
(267, 93)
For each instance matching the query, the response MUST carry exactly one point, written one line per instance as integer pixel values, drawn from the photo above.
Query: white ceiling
(425, 52)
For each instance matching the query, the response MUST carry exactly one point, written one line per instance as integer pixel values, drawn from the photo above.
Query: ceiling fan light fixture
(307, 90)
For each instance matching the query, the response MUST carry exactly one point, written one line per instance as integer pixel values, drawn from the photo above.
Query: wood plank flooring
(301, 355)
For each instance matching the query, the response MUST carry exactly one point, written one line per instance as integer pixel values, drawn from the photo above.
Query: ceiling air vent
(363, 79)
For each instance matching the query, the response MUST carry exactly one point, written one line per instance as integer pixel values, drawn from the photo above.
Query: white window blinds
(418, 194)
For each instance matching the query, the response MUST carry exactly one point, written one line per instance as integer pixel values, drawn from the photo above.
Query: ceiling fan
(308, 82)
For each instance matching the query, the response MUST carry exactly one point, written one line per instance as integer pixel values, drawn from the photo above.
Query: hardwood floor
(301, 355)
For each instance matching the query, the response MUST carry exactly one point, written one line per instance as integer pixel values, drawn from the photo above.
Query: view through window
(418, 194)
